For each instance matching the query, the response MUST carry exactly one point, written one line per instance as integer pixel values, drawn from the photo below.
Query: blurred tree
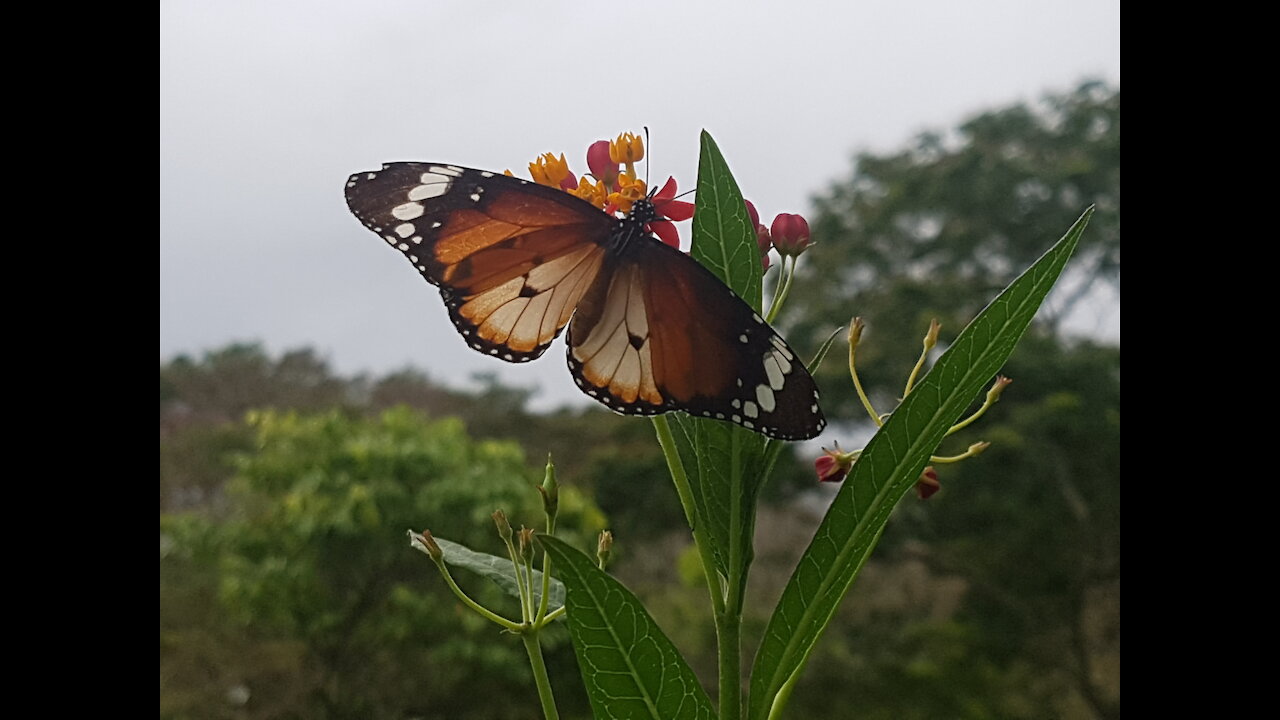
(939, 229)
(322, 608)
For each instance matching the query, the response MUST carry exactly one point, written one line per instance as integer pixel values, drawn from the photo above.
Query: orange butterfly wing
(511, 258)
(652, 330)
(659, 332)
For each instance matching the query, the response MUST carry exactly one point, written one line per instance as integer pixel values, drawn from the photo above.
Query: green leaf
(728, 459)
(500, 571)
(889, 468)
(630, 669)
(724, 240)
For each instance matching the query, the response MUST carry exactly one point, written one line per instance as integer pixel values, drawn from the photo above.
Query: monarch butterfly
(650, 329)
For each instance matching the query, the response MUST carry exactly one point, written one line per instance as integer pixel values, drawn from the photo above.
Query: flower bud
(550, 491)
(751, 211)
(604, 547)
(601, 164)
(790, 234)
(931, 337)
(834, 465)
(504, 527)
(764, 241)
(855, 332)
(998, 387)
(427, 544)
(526, 544)
(927, 485)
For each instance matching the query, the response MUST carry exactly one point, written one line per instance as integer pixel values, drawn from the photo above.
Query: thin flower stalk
(855, 334)
(993, 395)
(930, 340)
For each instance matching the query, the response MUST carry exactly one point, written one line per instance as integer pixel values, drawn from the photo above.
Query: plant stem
(480, 609)
(728, 624)
(546, 576)
(785, 283)
(729, 656)
(676, 467)
(540, 675)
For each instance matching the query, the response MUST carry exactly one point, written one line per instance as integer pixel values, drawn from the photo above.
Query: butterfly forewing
(659, 332)
(511, 258)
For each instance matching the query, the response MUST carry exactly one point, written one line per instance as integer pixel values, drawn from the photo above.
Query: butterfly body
(650, 329)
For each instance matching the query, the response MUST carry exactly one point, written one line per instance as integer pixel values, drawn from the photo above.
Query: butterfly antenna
(647, 154)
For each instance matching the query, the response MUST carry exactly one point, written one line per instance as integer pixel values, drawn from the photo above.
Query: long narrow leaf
(888, 468)
(630, 669)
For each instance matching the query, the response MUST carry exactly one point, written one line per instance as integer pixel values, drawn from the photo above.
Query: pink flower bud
(763, 239)
(834, 465)
(928, 484)
(790, 234)
(602, 166)
(751, 210)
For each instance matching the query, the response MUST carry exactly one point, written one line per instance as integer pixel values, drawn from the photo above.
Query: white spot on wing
(783, 362)
(409, 210)
(429, 190)
(749, 409)
(404, 230)
(774, 371)
(764, 395)
(447, 170)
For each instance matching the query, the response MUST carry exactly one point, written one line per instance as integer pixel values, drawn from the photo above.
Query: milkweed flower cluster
(612, 184)
(834, 465)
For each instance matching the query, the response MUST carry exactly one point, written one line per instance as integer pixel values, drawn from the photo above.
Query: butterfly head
(643, 211)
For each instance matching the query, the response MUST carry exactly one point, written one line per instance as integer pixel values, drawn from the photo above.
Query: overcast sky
(267, 107)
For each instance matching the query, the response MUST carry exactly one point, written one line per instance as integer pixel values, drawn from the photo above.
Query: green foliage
(313, 561)
(888, 468)
(629, 667)
(1024, 540)
(931, 231)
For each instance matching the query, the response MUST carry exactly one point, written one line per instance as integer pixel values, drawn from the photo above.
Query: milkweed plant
(629, 667)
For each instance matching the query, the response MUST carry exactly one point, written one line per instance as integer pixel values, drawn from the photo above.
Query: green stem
(540, 675)
(729, 652)
(781, 297)
(729, 622)
(546, 576)
(915, 372)
(857, 385)
(681, 480)
(483, 611)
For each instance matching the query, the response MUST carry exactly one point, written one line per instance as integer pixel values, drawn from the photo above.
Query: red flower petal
(665, 231)
(675, 210)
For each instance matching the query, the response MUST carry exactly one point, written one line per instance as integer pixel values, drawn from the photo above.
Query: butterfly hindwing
(659, 332)
(511, 258)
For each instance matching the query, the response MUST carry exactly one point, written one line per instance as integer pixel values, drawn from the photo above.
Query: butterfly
(650, 329)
